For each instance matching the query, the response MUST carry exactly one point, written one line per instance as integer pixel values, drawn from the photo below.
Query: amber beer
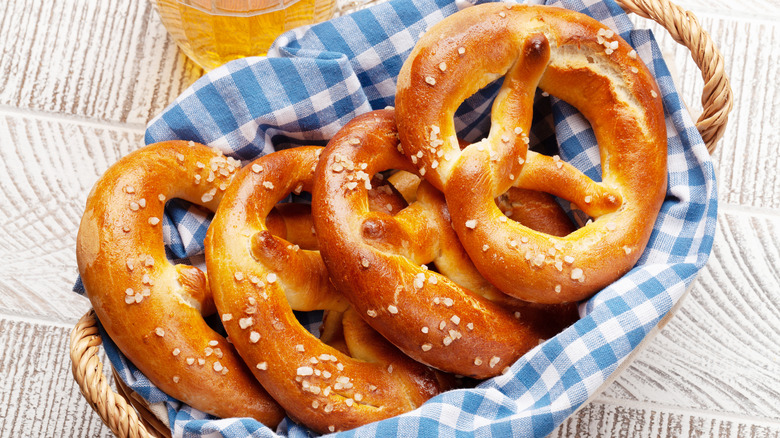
(213, 32)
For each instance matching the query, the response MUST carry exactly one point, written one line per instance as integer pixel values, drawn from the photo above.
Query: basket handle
(87, 369)
(684, 28)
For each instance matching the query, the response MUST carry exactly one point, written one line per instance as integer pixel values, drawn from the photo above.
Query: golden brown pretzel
(375, 259)
(570, 56)
(151, 308)
(258, 281)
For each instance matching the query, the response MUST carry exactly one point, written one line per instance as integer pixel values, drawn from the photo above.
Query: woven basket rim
(128, 415)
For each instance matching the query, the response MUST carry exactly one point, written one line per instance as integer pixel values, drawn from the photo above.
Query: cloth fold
(314, 80)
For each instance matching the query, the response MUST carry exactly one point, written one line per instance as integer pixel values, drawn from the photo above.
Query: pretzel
(153, 310)
(258, 281)
(578, 60)
(377, 260)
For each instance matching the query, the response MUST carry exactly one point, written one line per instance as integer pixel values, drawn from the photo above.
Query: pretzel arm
(559, 178)
(364, 343)
(411, 234)
(302, 273)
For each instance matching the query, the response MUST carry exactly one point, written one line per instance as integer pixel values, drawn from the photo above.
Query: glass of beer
(213, 32)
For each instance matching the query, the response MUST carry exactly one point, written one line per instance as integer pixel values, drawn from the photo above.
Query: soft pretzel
(258, 281)
(153, 310)
(378, 261)
(578, 60)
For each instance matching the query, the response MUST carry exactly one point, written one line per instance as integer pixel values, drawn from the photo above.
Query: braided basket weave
(128, 415)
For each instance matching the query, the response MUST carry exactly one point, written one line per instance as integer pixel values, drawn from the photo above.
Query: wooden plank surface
(78, 81)
(106, 60)
(49, 164)
(721, 351)
(752, 10)
(748, 154)
(613, 418)
(38, 396)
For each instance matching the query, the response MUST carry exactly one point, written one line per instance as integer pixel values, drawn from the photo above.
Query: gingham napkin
(315, 80)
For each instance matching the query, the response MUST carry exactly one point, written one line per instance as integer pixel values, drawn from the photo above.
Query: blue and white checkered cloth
(316, 79)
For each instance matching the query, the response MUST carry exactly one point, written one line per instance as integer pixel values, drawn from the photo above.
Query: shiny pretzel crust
(259, 279)
(151, 308)
(375, 258)
(572, 57)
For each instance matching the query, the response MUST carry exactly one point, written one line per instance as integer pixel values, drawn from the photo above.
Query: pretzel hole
(292, 221)
(338, 330)
(541, 138)
(384, 197)
(472, 118)
(331, 330)
(178, 248)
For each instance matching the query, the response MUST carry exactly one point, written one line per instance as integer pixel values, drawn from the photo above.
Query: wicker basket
(128, 415)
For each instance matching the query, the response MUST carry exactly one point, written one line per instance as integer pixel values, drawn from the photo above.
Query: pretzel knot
(152, 309)
(379, 261)
(571, 57)
(259, 279)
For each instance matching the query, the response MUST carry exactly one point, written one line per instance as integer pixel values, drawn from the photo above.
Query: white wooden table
(79, 80)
